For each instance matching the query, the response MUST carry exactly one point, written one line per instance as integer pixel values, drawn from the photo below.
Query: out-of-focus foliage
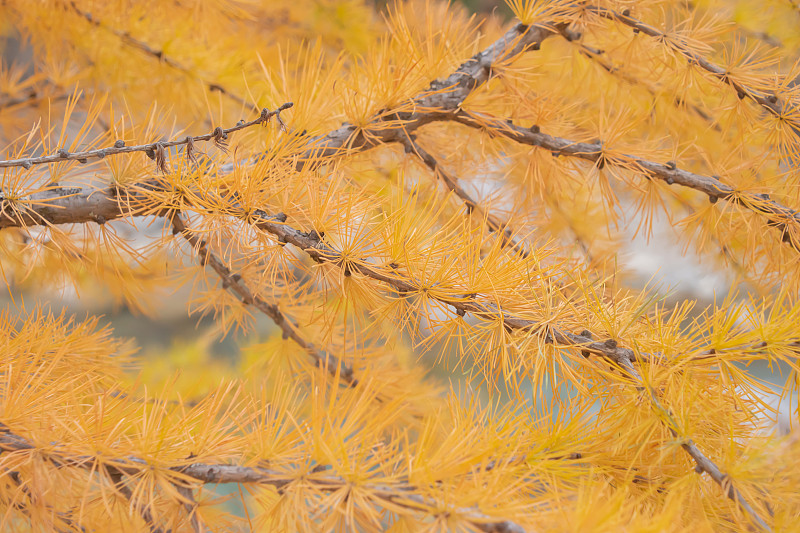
(441, 186)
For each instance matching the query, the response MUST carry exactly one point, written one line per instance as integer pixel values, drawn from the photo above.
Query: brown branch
(62, 206)
(703, 463)
(445, 98)
(236, 284)
(768, 101)
(191, 506)
(68, 206)
(762, 36)
(473, 206)
(312, 244)
(32, 96)
(132, 41)
(399, 494)
(116, 475)
(74, 209)
(609, 349)
(724, 250)
(785, 219)
(746, 32)
(218, 135)
(597, 56)
(152, 401)
(70, 209)
(441, 97)
(64, 517)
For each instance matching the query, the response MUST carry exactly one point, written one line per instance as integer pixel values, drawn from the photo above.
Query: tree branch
(191, 507)
(596, 55)
(312, 245)
(130, 40)
(235, 284)
(704, 464)
(785, 219)
(116, 476)
(218, 135)
(441, 97)
(473, 206)
(609, 349)
(76, 209)
(767, 100)
(64, 517)
(399, 494)
(32, 95)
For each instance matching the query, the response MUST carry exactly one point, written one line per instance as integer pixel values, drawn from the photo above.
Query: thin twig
(32, 96)
(218, 135)
(597, 56)
(236, 284)
(191, 506)
(767, 100)
(74, 209)
(64, 517)
(312, 245)
(473, 206)
(116, 475)
(132, 41)
(703, 463)
(746, 32)
(400, 493)
(779, 216)
(441, 97)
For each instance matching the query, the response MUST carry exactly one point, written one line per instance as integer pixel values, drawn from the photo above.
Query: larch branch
(609, 349)
(779, 216)
(191, 507)
(70, 210)
(218, 135)
(86, 207)
(32, 96)
(236, 284)
(597, 56)
(117, 477)
(473, 206)
(399, 494)
(441, 97)
(133, 42)
(21, 507)
(312, 245)
(768, 101)
(704, 464)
